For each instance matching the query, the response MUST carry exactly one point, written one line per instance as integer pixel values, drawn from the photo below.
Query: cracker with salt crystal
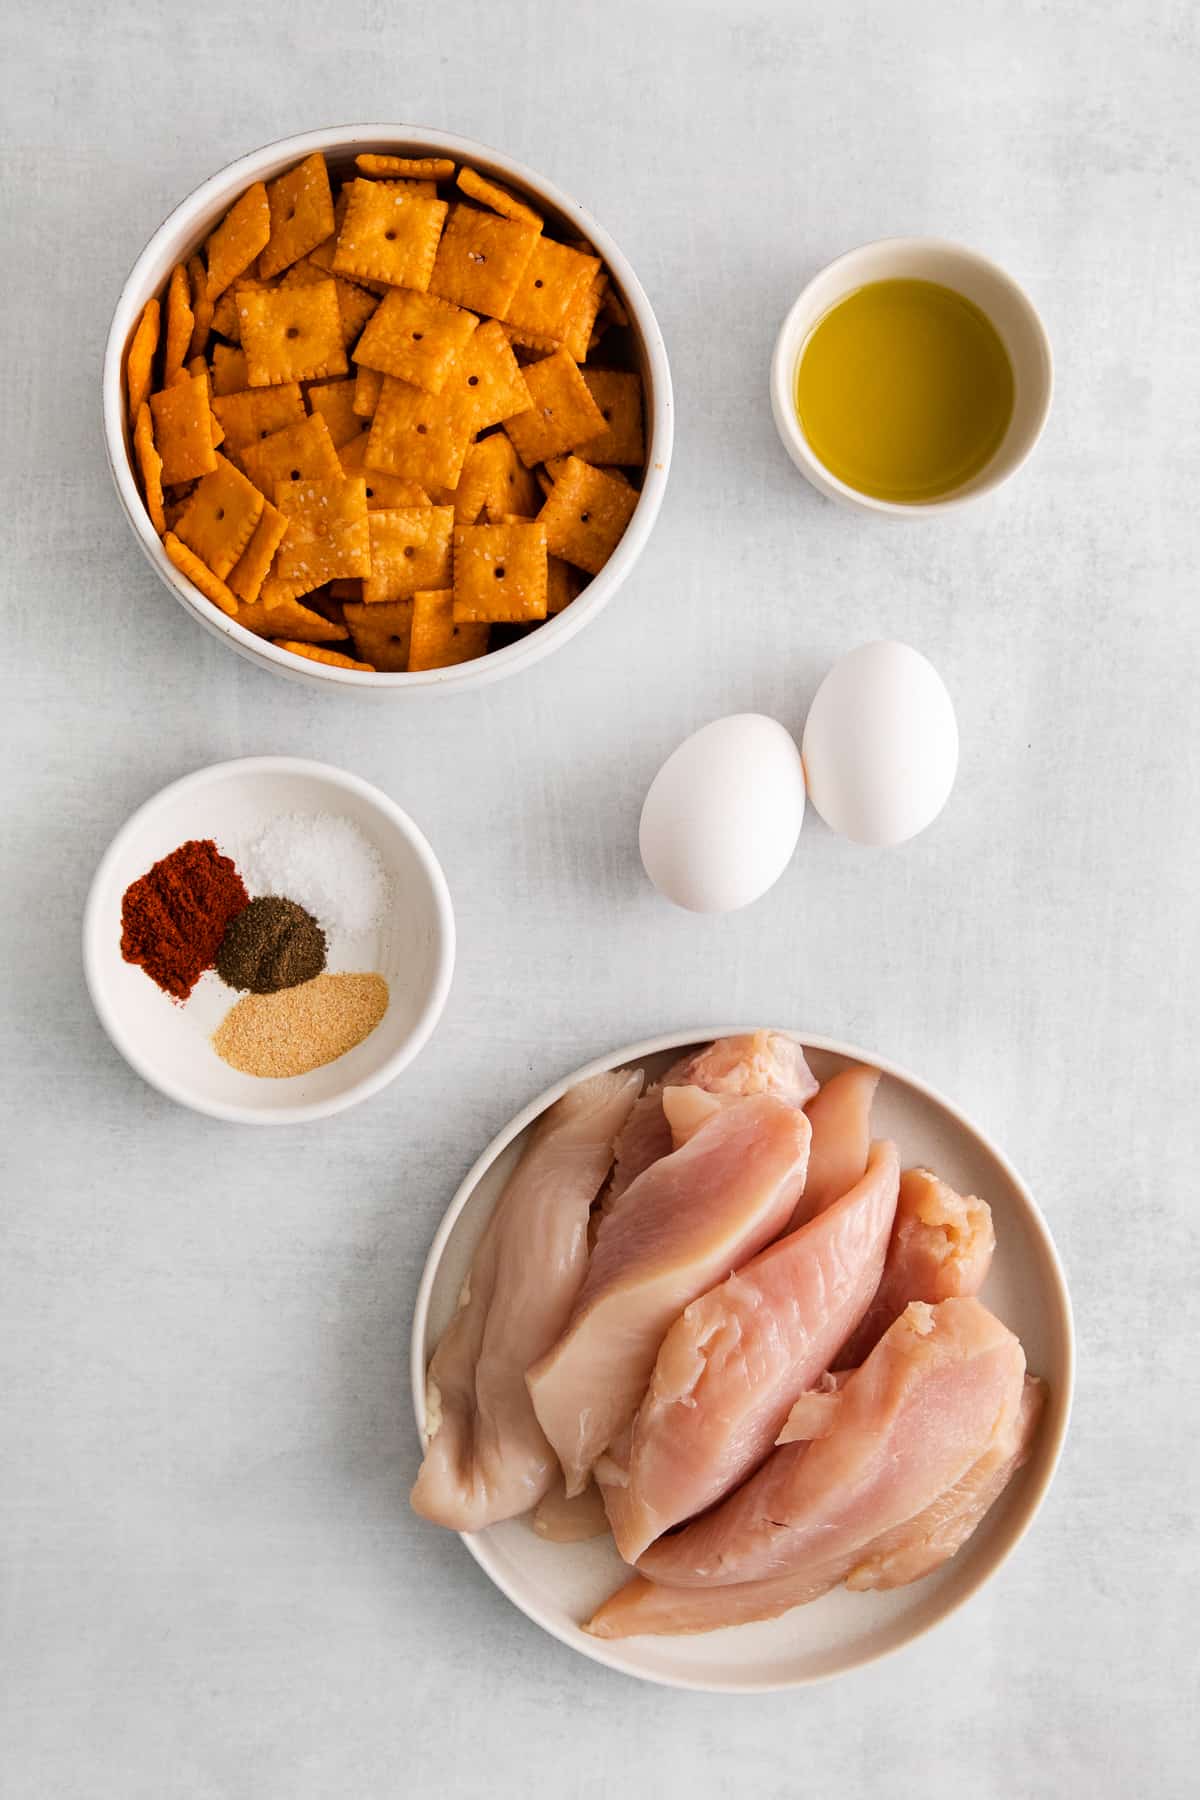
(586, 514)
(291, 333)
(150, 467)
(226, 321)
(481, 259)
(202, 577)
(355, 305)
(562, 415)
(301, 452)
(389, 235)
(415, 337)
(437, 639)
(238, 239)
(486, 385)
(327, 533)
(418, 435)
(220, 517)
(499, 573)
(301, 211)
(256, 414)
(410, 549)
(382, 632)
(183, 433)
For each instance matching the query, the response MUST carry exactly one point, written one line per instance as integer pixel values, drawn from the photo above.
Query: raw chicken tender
(943, 1390)
(683, 1224)
(487, 1457)
(941, 1248)
(760, 1062)
(840, 1117)
(734, 1364)
(922, 1545)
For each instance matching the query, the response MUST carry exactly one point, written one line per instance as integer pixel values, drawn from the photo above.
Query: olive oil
(904, 390)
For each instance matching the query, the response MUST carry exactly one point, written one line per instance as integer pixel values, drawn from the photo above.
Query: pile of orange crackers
(364, 423)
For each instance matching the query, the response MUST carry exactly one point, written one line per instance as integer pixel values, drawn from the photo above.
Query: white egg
(723, 814)
(881, 745)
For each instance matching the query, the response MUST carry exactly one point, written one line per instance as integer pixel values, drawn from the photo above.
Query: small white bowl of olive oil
(911, 376)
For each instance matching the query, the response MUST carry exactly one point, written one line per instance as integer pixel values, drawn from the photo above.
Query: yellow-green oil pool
(904, 390)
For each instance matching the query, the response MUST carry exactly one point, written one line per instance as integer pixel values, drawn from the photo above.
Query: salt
(323, 862)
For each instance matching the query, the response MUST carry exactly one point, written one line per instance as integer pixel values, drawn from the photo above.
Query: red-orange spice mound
(174, 917)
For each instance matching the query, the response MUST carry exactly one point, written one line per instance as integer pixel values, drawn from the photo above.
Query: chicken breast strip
(684, 1223)
(943, 1390)
(732, 1366)
(487, 1458)
(760, 1062)
(941, 1248)
(840, 1116)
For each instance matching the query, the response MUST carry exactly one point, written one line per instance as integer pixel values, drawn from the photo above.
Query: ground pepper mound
(174, 917)
(272, 944)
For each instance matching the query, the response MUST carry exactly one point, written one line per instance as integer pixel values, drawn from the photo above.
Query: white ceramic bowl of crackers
(386, 410)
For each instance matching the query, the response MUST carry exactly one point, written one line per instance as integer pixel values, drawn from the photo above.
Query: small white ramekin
(186, 229)
(413, 949)
(1006, 304)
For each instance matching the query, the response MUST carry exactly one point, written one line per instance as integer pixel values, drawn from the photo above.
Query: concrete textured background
(212, 1585)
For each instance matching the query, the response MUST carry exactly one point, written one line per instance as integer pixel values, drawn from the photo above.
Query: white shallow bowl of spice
(269, 941)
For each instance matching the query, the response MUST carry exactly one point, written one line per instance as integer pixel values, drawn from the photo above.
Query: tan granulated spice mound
(301, 1028)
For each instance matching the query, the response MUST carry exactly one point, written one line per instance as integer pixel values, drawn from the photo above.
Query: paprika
(174, 917)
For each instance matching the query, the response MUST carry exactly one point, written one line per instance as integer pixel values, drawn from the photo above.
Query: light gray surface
(213, 1586)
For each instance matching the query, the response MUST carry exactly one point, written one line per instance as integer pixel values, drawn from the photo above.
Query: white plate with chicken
(740, 1360)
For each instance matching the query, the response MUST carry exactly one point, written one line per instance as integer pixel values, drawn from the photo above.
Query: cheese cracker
(199, 575)
(389, 235)
(301, 212)
(410, 549)
(437, 639)
(139, 360)
(586, 514)
(563, 413)
(499, 573)
(238, 239)
(150, 465)
(220, 518)
(183, 429)
(291, 334)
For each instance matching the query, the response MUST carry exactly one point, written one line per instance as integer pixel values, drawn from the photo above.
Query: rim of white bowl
(363, 1089)
(550, 635)
(785, 361)
(1032, 1495)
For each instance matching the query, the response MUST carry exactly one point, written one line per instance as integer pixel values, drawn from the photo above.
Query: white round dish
(559, 1585)
(168, 1044)
(1006, 304)
(186, 229)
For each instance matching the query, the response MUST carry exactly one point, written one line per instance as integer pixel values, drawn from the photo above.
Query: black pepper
(272, 944)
